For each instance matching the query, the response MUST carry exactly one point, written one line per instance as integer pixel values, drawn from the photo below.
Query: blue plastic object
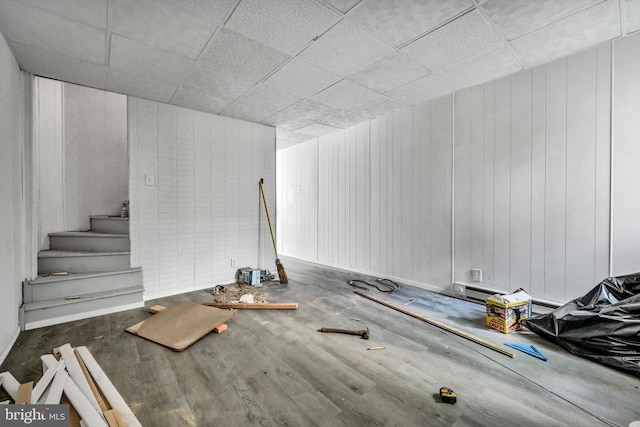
(529, 349)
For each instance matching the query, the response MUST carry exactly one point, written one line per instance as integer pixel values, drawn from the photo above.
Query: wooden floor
(274, 368)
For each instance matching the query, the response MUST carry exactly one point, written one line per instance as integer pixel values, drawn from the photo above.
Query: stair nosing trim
(80, 276)
(58, 302)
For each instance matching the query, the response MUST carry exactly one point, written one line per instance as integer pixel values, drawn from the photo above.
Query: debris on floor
(233, 293)
(77, 379)
(181, 325)
(255, 305)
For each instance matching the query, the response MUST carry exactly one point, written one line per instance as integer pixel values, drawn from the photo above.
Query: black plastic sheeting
(603, 325)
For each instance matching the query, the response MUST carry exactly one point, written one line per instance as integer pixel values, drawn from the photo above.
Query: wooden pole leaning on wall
(440, 325)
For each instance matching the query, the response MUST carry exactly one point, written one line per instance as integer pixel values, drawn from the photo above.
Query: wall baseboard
(171, 292)
(10, 345)
(80, 316)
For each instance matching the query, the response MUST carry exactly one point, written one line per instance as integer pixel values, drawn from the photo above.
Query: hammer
(364, 333)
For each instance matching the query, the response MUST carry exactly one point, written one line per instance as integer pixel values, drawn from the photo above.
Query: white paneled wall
(82, 155)
(375, 197)
(203, 208)
(538, 185)
(626, 157)
(532, 178)
(14, 195)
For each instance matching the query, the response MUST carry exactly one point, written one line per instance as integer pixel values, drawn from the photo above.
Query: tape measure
(447, 395)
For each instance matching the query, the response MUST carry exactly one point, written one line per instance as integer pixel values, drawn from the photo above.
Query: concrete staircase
(83, 274)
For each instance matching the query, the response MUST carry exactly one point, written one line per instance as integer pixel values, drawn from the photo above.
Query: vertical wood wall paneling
(538, 179)
(232, 191)
(502, 183)
(476, 208)
(489, 184)
(167, 182)
(423, 118)
(363, 185)
(417, 123)
(581, 186)
(520, 177)
(395, 193)
(626, 156)
(556, 174)
(603, 161)
(462, 185)
(441, 191)
(405, 209)
(375, 177)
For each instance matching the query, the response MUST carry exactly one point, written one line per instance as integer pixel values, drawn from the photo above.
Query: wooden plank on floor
(76, 374)
(44, 382)
(255, 305)
(104, 406)
(10, 384)
(113, 396)
(57, 386)
(114, 419)
(24, 393)
(181, 325)
(84, 407)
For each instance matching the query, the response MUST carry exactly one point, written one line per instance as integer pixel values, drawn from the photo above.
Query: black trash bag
(603, 325)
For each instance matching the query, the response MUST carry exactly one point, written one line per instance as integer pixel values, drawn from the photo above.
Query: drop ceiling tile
(422, 90)
(55, 66)
(299, 77)
(230, 52)
(379, 106)
(168, 25)
(292, 136)
(285, 26)
(587, 28)
(460, 40)
(345, 94)
(345, 49)
(262, 102)
(317, 129)
(516, 18)
(141, 87)
(299, 115)
(47, 31)
(136, 58)
(399, 21)
(90, 12)
(492, 65)
(343, 119)
(197, 99)
(633, 15)
(212, 80)
(390, 72)
(342, 5)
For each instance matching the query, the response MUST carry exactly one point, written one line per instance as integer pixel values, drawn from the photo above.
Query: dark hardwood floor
(274, 368)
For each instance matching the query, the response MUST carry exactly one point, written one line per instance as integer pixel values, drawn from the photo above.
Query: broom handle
(264, 200)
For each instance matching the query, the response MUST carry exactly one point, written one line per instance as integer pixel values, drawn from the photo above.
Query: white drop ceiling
(307, 67)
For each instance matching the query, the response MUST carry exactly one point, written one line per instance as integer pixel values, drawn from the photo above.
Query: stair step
(51, 287)
(89, 241)
(109, 224)
(57, 310)
(53, 261)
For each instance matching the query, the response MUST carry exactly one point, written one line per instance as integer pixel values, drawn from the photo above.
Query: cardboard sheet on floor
(180, 325)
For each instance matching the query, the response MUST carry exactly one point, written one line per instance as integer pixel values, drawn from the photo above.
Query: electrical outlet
(459, 290)
(233, 262)
(476, 275)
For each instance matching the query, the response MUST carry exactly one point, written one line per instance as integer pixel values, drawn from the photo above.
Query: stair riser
(89, 243)
(84, 264)
(79, 286)
(80, 308)
(107, 225)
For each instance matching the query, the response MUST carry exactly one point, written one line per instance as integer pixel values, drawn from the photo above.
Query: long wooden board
(255, 305)
(440, 325)
(180, 325)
